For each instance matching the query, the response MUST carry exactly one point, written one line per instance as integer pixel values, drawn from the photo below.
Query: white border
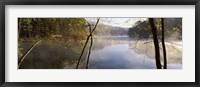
(187, 74)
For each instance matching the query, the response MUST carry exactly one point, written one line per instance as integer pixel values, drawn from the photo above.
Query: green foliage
(140, 30)
(173, 29)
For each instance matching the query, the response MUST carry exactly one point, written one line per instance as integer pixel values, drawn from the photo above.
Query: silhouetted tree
(163, 44)
(156, 44)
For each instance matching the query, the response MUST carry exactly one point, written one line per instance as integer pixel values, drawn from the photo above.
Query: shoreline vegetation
(64, 39)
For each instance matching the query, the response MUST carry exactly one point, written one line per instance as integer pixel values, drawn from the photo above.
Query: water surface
(117, 53)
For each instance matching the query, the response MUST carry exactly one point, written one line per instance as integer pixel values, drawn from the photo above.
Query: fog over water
(111, 52)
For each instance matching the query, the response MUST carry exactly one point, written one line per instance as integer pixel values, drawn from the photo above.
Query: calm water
(117, 53)
(108, 52)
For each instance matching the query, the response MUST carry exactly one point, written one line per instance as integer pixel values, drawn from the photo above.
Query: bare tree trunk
(163, 44)
(87, 41)
(87, 65)
(156, 44)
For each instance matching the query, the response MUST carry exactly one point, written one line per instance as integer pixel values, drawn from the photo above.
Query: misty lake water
(117, 52)
(108, 52)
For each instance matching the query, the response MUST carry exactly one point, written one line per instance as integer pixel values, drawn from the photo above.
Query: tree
(163, 44)
(173, 29)
(156, 44)
(38, 28)
(90, 35)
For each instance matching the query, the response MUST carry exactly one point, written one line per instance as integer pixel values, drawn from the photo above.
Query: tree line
(45, 27)
(142, 29)
(108, 30)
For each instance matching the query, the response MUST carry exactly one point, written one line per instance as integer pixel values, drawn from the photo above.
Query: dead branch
(24, 56)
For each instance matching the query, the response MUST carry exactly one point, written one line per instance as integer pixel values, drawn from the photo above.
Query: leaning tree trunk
(163, 44)
(24, 56)
(88, 59)
(156, 44)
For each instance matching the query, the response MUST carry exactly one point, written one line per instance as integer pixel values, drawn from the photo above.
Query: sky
(120, 22)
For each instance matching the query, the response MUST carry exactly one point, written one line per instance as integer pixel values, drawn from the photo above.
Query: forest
(142, 29)
(99, 43)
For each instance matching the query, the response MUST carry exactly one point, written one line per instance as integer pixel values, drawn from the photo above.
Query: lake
(117, 52)
(108, 52)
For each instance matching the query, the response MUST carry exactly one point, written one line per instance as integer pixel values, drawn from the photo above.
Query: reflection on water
(117, 53)
(113, 52)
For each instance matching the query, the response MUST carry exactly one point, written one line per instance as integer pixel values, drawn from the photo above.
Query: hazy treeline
(142, 29)
(108, 30)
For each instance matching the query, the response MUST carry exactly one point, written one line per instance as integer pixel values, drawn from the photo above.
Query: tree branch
(24, 56)
(87, 42)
